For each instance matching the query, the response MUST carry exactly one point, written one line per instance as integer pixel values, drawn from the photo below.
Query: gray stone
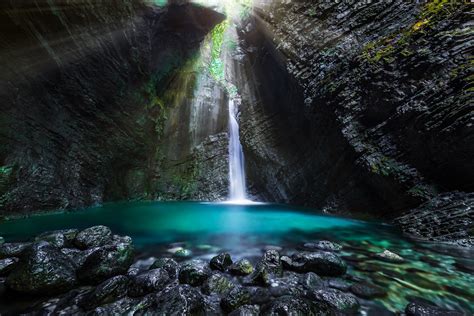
(221, 262)
(59, 238)
(237, 297)
(241, 267)
(149, 281)
(107, 261)
(44, 269)
(323, 245)
(194, 272)
(425, 309)
(168, 264)
(321, 263)
(93, 237)
(337, 300)
(107, 292)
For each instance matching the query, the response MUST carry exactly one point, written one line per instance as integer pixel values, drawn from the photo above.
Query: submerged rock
(93, 237)
(425, 309)
(59, 238)
(194, 272)
(168, 264)
(236, 298)
(44, 269)
(389, 256)
(241, 267)
(179, 300)
(368, 290)
(107, 261)
(321, 263)
(107, 292)
(221, 262)
(147, 282)
(339, 284)
(217, 284)
(2, 240)
(325, 245)
(337, 300)
(7, 265)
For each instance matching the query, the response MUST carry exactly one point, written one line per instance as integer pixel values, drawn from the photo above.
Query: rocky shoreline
(95, 272)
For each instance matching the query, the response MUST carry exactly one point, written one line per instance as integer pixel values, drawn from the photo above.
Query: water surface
(438, 273)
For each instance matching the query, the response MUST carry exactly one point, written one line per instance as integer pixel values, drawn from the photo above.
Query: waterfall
(236, 158)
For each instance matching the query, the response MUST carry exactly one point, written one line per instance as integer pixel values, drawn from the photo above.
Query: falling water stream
(236, 158)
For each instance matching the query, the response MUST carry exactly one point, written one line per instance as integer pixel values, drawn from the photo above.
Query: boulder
(107, 261)
(93, 237)
(322, 263)
(107, 292)
(147, 282)
(59, 238)
(194, 272)
(241, 267)
(272, 263)
(168, 264)
(221, 262)
(179, 300)
(7, 265)
(336, 300)
(217, 284)
(237, 297)
(44, 270)
(427, 309)
(325, 245)
(368, 290)
(2, 240)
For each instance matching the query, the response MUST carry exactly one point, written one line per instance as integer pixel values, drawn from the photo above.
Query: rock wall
(380, 119)
(82, 89)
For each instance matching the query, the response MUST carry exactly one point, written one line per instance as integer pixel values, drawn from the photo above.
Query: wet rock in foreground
(194, 272)
(322, 263)
(44, 269)
(221, 262)
(241, 267)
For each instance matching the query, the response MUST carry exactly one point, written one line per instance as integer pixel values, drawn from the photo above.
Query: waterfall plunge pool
(435, 272)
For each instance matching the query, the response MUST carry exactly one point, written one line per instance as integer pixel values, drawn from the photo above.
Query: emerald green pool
(434, 272)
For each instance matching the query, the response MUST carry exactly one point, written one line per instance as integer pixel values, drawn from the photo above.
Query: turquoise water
(431, 271)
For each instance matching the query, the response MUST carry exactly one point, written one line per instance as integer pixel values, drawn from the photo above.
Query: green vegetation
(401, 43)
(216, 66)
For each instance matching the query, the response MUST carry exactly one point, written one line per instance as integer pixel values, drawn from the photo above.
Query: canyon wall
(83, 99)
(365, 108)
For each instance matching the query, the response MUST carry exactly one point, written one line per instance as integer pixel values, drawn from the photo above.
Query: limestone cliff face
(379, 116)
(82, 112)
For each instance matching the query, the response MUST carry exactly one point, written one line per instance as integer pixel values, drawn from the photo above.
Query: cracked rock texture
(363, 108)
